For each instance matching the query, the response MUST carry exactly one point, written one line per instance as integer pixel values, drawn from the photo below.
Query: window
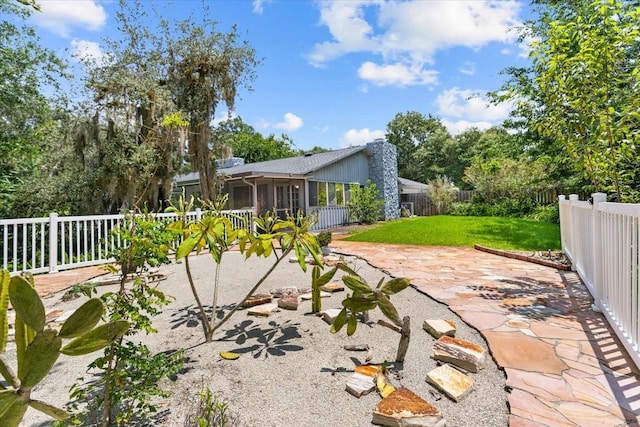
(328, 193)
(242, 197)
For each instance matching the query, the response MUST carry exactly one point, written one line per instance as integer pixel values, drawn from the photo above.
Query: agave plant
(38, 346)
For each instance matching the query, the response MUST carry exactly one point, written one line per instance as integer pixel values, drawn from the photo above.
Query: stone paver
(564, 365)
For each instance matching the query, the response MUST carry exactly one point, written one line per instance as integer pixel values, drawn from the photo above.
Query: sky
(335, 73)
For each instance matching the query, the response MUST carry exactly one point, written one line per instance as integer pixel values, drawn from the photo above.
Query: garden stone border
(522, 257)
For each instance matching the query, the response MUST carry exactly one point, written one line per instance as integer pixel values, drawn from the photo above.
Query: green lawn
(443, 230)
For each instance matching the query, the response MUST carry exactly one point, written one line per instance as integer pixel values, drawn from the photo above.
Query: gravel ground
(292, 371)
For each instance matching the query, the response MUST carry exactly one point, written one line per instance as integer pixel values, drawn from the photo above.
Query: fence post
(597, 250)
(198, 214)
(573, 198)
(53, 242)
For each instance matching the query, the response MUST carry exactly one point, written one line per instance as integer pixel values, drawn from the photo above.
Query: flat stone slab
(308, 295)
(463, 354)
(263, 310)
(289, 290)
(451, 382)
(360, 384)
(257, 299)
(331, 260)
(330, 315)
(333, 287)
(289, 302)
(404, 408)
(439, 327)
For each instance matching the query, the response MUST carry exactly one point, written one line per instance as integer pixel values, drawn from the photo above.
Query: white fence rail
(58, 243)
(603, 242)
(331, 216)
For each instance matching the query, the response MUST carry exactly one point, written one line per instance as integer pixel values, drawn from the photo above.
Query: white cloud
(60, 16)
(291, 122)
(258, 6)
(411, 32)
(471, 105)
(86, 51)
(359, 137)
(459, 126)
(468, 68)
(396, 74)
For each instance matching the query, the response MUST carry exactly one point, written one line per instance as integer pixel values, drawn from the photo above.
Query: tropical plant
(128, 372)
(39, 346)
(215, 232)
(366, 298)
(365, 204)
(442, 193)
(210, 412)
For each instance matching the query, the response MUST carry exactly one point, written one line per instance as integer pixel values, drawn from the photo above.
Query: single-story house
(314, 182)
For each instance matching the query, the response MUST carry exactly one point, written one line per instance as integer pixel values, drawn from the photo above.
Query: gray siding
(349, 170)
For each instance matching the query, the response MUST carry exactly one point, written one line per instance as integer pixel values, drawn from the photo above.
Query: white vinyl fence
(331, 216)
(58, 243)
(603, 242)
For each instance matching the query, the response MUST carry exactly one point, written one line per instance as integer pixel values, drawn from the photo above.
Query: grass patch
(443, 230)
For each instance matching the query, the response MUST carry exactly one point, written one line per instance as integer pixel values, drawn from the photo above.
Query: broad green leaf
(187, 246)
(26, 303)
(325, 278)
(5, 371)
(356, 284)
(83, 319)
(339, 321)
(388, 309)
(7, 398)
(344, 267)
(52, 411)
(361, 303)
(229, 355)
(4, 307)
(352, 324)
(13, 416)
(394, 286)
(300, 255)
(96, 339)
(23, 336)
(40, 357)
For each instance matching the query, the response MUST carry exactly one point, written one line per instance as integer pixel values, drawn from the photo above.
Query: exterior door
(287, 199)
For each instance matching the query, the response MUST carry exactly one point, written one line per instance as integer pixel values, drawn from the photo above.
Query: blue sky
(334, 73)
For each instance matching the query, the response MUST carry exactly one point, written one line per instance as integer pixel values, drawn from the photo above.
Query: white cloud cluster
(291, 122)
(258, 6)
(406, 35)
(60, 16)
(359, 137)
(466, 108)
(87, 51)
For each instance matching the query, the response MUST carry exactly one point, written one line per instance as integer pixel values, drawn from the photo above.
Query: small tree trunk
(405, 335)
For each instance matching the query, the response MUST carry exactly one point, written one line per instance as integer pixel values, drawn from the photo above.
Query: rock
(404, 408)
(289, 302)
(451, 382)
(360, 384)
(439, 327)
(356, 347)
(463, 354)
(330, 315)
(333, 287)
(307, 295)
(264, 310)
(257, 299)
(290, 290)
(331, 260)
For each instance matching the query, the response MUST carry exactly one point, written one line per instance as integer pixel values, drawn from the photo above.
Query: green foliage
(324, 238)
(505, 207)
(215, 232)
(210, 412)
(128, 373)
(442, 193)
(548, 213)
(365, 204)
(38, 347)
(447, 230)
(580, 92)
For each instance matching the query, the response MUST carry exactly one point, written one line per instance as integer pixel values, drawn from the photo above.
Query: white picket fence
(603, 242)
(56, 243)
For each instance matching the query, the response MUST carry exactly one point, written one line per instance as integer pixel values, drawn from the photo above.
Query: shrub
(548, 213)
(324, 238)
(365, 204)
(442, 193)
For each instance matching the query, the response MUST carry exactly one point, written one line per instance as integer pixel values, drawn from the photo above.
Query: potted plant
(324, 238)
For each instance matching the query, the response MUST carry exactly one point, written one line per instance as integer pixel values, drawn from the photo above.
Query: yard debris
(289, 290)
(289, 302)
(333, 287)
(356, 347)
(404, 408)
(330, 315)
(257, 299)
(360, 384)
(439, 327)
(263, 310)
(463, 354)
(451, 382)
(227, 355)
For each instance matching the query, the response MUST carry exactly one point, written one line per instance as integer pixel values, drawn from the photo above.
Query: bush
(442, 193)
(549, 213)
(511, 207)
(365, 203)
(324, 238)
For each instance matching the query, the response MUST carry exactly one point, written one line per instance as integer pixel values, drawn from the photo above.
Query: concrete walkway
(564, 365)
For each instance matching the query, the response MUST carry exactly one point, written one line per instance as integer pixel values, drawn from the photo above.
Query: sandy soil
(292, 370)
